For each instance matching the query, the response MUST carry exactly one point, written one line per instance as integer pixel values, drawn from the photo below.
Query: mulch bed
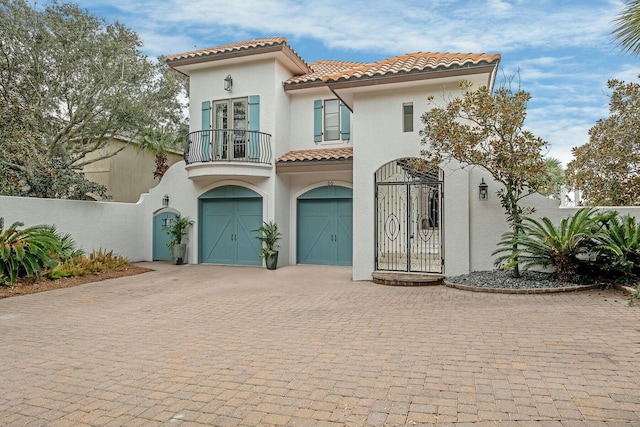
(27, 285)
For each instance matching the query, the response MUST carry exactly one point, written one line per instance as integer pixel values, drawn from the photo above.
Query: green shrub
(26, 252)
(541, 243)
(619, 245)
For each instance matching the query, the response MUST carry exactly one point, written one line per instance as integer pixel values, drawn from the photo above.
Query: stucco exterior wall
(93, 225)
(301, 113)
(255, 78)
(379, 139)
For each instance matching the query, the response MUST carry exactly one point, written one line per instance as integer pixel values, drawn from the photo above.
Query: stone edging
(628, 289)
(522, 291)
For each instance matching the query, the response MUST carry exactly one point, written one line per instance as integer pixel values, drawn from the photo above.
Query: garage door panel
(344, 240)
(216, 235)
(227, 235)
(249, 218)
(325, 233)
(315, 246)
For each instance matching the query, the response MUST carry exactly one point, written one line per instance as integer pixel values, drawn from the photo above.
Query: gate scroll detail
(409, 217)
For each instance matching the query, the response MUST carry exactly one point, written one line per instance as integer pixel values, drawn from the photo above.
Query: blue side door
(160, 237)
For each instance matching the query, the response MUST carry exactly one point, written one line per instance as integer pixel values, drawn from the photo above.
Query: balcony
(228, 152)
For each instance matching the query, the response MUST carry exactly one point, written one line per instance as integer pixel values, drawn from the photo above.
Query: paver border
(522, 291)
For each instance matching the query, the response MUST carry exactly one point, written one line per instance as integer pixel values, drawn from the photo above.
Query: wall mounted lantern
(165, 200)
(483, 191)
(228, 83)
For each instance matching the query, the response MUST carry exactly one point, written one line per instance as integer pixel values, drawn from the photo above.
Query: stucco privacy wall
(377, 140)
(488, 220)
(93, 225)
(126, 228)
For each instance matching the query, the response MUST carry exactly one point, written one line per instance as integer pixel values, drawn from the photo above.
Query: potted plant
(269, 237)
(177, 230)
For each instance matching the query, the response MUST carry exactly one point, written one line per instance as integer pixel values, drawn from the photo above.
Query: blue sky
(562, 49)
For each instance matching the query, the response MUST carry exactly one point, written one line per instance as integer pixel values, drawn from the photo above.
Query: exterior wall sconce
(483, 191)
(228, 83)
(165, 200)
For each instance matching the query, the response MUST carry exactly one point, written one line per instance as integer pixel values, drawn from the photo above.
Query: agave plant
(619, 244)
(541, 243)
(26, 251)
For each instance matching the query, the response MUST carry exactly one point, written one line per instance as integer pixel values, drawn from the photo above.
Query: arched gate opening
(409, 217)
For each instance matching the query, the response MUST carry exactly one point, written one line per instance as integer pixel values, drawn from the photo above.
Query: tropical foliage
(619, 245)
(590, 243)
(541, 243)
(627, 28)
(607, 168)
(269, 236)
(177, 229)
(42, 250)
(551, 188)
(26, 251)
(80, 265)
(487, 129)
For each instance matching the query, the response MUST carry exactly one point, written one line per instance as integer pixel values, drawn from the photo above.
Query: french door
(230, 129)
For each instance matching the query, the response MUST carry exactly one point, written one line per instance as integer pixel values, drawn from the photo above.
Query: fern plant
(27, 251)
(541, 243)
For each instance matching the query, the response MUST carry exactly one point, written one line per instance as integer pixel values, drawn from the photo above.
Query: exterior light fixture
(165, 200)
(228, 83)
(483, 191)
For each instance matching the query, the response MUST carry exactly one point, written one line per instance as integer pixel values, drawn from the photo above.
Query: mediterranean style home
(330, 151)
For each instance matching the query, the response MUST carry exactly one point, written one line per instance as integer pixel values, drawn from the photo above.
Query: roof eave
(375, 80)
(306, 166)
(298, 63)
(303, 85)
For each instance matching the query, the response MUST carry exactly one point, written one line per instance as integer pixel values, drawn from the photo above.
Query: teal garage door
(160, 237)
(325, 226)
(228, 215)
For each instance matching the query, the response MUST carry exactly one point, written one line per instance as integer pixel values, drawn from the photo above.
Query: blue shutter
(254, 125)
(205, 149)
(317, 120)
(345, 122)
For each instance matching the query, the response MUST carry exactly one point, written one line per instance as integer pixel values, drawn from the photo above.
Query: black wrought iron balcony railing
(228, 145)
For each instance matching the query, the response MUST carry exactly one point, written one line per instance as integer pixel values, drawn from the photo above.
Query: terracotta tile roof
(323, 68)
(235, 47)
(410, 63)
(343, 153)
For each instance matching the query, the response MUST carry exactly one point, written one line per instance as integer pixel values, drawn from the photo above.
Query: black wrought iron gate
(409, 213)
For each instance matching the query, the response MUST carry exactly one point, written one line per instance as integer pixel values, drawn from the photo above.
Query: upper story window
(331, 121)
(407, 117)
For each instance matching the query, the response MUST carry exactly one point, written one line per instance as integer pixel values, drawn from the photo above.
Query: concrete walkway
(304, 345)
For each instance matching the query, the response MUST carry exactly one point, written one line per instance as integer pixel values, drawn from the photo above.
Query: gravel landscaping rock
(502, 279)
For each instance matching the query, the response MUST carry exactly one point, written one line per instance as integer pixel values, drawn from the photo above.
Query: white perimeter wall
(93, 225)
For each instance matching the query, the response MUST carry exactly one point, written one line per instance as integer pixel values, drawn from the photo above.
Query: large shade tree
(486, 129)
(607, 168)
(77, 81)
(627, 28)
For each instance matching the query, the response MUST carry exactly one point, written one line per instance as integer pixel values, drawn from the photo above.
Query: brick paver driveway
(304, 345)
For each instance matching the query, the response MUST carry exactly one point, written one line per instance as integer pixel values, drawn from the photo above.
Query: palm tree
(158, 141)
(627, 28)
